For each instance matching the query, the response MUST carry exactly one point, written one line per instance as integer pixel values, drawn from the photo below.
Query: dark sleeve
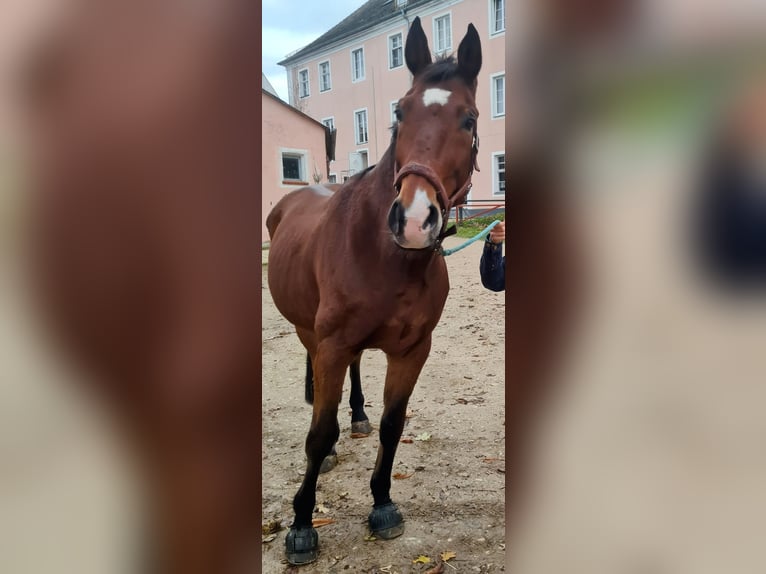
(492, 267)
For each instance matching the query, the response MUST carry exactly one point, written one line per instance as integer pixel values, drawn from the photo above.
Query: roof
(266, 85)
(368, 15)
(293, 108)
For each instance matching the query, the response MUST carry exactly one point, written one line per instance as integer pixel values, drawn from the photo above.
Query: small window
(499, 175)
(498, 95)
(442, 34)
(497, 16)
(329, 122)
(303, 83)
(293, 168)
(395, 51)
(324, 77)
(332, 178)
(401, 3)
(360, 126)
(394, 105)
(357, 65)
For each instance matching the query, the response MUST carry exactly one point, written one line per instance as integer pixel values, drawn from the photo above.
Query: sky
(289, 25)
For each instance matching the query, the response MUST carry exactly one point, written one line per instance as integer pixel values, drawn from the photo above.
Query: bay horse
(361, 267)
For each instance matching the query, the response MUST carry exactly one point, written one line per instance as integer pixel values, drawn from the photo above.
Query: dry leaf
(317, 522)
(322, 508)
(360, 434)
(424, 436)
(438, 569)
(269, 538)
(422, 560)
(447, 555)
(370, 537)
(489, 459)
(271, 526)
(406, 440)
(402, 476)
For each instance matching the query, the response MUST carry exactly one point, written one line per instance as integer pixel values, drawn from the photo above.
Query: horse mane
(443, 69)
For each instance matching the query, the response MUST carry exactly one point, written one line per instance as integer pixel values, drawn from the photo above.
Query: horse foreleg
(359, 421)
(385, 519)
(302, 542)
(331, 459)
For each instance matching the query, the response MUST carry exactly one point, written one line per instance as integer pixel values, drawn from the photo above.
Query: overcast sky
(289, 25)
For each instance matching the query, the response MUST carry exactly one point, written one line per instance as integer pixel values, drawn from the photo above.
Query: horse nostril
(432, 219)
(396, 218)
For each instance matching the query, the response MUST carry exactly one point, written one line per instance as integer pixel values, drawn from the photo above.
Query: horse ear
(469, 55)
(416, 51)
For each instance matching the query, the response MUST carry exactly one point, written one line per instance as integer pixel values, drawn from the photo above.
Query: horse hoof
(302, 545)
(362, 427)
(386, 521)
(329, 462)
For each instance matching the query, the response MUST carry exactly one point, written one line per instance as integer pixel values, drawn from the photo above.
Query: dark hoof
(329, 462)
(363, 427)
(386, 521)
(302, 545)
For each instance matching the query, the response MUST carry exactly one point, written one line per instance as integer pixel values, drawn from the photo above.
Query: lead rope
(477, 237)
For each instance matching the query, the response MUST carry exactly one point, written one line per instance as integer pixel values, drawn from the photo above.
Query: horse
(360, 423)
(144, 253)
(361, 267)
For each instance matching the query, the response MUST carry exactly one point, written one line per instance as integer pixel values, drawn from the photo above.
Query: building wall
(284, 129)
(382, 86)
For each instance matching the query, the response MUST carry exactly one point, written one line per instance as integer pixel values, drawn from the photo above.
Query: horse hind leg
(360, 424)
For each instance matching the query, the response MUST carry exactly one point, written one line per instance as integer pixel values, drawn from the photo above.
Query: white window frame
(303, 155)
(331, 119)
(331, 175)
(401, 3)
(391, 51)
(367, 127)
(361, 78)
(329, 76)
(447, 48)
(493, 94)
(496, 174)
(393, 107)
(300, 83)
(492, 30)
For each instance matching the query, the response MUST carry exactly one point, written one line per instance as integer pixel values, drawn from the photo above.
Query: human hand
(497, 235)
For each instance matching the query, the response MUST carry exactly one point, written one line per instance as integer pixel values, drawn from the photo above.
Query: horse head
(434, 138)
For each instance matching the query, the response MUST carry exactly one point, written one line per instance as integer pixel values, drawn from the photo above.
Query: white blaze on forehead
(436, 96)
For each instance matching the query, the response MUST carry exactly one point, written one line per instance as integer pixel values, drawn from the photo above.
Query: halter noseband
(446, 202)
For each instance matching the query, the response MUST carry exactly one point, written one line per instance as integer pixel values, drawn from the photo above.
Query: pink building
(294, 152)
(351, 77)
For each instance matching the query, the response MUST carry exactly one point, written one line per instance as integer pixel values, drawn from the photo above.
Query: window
(357, 65)
(394, 104)
(332, 178)
(498, 173)
(498, 95)
(329, 122)
(442, 34)
(294, 167)
(303, 83)
(401, 3)
(496, 16)
(324, 76)
(360, 126)
(395, 51)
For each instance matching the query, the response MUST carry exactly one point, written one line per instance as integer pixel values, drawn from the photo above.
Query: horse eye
(469, 123)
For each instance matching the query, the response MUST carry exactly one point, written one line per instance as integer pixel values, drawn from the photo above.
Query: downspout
(403, 13)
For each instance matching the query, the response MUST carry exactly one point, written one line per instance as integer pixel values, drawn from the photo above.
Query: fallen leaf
(360, 434)
(447, 555)
(269, 538)
(424, 436)
(271, 526)
(370, 537)
(422, 560)
(406, 440)
(402, 476)
(318, 522)
(438, 569)
(489, 459)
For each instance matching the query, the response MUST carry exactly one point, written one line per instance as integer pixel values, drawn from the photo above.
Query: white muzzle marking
(415, 217)
(436, 96)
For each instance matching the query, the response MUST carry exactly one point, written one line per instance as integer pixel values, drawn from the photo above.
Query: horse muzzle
(416, 217)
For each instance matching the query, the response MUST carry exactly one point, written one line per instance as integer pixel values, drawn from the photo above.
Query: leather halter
(445, 201)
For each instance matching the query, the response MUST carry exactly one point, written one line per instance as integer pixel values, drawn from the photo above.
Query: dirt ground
(453, 498)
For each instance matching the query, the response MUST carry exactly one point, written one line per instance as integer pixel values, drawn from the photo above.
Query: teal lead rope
(479, 236)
